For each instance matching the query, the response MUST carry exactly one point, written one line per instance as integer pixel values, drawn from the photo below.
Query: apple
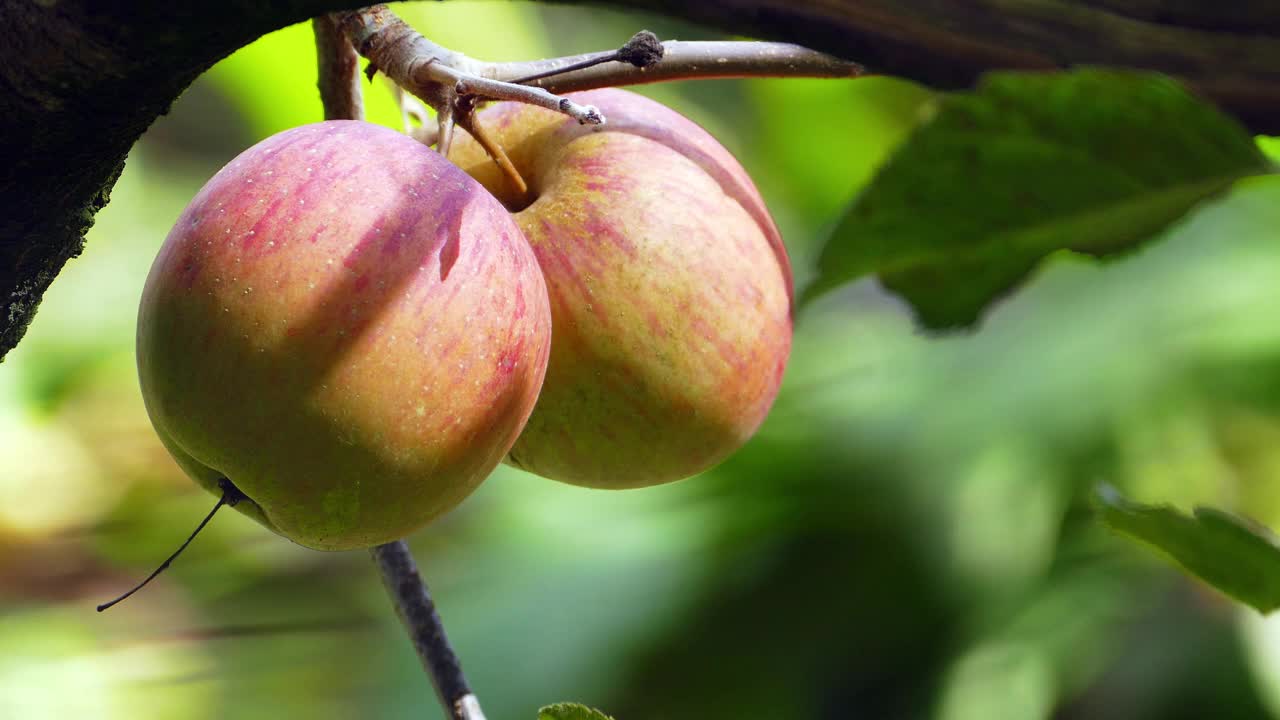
(349, 328)
(671, 296)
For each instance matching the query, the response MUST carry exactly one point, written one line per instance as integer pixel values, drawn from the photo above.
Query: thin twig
(411, 108)
(418, 614)
(395, 563)
(643, 50)
(581, 62)
(468, 84)
(681, 61)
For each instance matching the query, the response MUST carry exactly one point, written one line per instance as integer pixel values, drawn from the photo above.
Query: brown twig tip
(642, 50)
(584, 114)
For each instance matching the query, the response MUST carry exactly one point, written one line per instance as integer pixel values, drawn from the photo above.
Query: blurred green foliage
(1236, 557)
(909, 536)
(1026, 164)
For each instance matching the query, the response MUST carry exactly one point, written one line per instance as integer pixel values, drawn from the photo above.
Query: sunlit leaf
(570, 711)
(1233, 555)
(1028, 164)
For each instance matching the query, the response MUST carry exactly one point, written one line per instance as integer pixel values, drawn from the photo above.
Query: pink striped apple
(670, 290)
(349, 328)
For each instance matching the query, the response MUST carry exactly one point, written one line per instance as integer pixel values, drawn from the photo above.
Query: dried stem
(485, 88)
(340, 94)
(471, 123)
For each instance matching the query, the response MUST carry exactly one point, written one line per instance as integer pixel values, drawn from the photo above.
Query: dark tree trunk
(81, 80)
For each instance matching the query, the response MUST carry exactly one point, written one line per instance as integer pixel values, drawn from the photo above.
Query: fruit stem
(470, 122)
(417, 612)
(231, 495)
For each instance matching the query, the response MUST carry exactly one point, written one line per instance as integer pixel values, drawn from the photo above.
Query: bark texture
(80, 80)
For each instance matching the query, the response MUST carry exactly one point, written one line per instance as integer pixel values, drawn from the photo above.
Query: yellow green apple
(346, 326)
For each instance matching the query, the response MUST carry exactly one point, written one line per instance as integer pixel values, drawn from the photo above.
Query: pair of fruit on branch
(354, 331)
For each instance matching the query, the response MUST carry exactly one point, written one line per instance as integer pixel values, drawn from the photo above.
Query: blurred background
(909, 535)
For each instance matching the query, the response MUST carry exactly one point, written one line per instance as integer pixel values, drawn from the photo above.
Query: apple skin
(671, 295)
(349, 328)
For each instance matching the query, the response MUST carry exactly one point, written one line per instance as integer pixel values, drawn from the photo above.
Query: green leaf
(1235, 556)
(570, 711)
(1027, 164)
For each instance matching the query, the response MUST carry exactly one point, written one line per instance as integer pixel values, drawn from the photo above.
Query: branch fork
(449, 82)
(454, 85)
